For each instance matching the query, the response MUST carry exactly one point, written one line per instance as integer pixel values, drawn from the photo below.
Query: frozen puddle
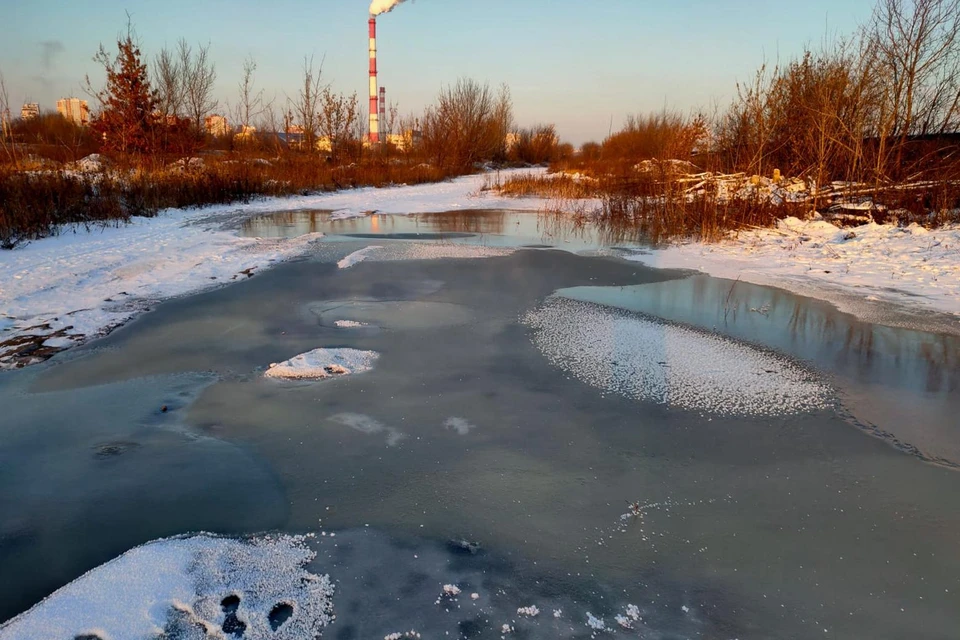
(323, 363)
(199, 586)
(628, 354)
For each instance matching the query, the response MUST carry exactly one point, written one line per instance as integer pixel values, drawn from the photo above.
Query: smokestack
(383, 108)
(374, 107)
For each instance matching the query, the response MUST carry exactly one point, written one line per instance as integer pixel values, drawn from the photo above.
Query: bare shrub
(467, 125)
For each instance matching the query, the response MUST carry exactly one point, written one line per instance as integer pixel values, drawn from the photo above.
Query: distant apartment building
(216, 125)
(75, 110)
(29, 111)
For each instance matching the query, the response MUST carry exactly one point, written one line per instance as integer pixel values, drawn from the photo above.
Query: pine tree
(126, 119)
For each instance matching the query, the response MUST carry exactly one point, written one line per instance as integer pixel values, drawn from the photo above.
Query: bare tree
(250, 101)
(306, 106)
(917, 46)
(467, 125)
(199, 75)
(6, 123)
(169, 80)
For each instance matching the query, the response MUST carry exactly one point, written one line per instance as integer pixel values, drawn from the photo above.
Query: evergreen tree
(126, 119)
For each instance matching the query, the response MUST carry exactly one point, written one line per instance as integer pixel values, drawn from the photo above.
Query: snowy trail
(60, 291)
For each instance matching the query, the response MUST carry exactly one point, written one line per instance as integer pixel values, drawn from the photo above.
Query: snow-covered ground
(84, 282)
(910, 266)
(186, 584)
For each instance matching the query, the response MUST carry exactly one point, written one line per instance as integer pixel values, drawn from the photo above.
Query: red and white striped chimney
(374, 106)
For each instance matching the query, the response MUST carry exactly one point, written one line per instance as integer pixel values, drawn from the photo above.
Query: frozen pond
(492, 228)
(789, 467)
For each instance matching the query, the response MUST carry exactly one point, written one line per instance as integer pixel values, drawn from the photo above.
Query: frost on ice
(369, 426)
(620, 352)
(323, 363)
(178, 585)
(459, 425)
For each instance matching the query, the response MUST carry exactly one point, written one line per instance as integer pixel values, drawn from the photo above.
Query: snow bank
(910, 266)
(624, 353)
(323, 363)
(184, 583)
(88, 281)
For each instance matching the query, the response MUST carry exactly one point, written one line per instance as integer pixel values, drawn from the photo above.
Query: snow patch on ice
(595, 623)
(624, 353)
(357, 256)
(531, 612)
(349, 324)
(323, 363)
(182, 582)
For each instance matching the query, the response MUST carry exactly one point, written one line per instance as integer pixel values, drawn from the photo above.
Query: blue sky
(576, 64)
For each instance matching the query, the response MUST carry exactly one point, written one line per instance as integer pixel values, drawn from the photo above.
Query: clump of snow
(651, 361)
(531, 612)
(369, 426)
(406, 635)
(357, 256)
(349, 324)
(505, 629)
(451, 590)
(460, 425)
(474, 596)
(91, 163)
(595, 623)
(323, 363)
(183, 581)
(557, 613)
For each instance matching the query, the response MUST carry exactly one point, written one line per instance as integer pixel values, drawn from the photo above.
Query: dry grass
(34, 203)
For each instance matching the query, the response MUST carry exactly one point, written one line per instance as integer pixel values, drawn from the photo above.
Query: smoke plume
(383, 6)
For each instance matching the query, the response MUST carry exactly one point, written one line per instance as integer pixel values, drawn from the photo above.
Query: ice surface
(369, 426)
(624, 353)
(323, 363)
(180, 583)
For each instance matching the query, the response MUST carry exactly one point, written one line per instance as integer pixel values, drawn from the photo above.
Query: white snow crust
(182, 581)
(910, 265)
(624, 353)
(358, 256)
(323, 363)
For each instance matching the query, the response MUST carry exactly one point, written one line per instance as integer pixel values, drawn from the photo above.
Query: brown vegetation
(872, 121)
